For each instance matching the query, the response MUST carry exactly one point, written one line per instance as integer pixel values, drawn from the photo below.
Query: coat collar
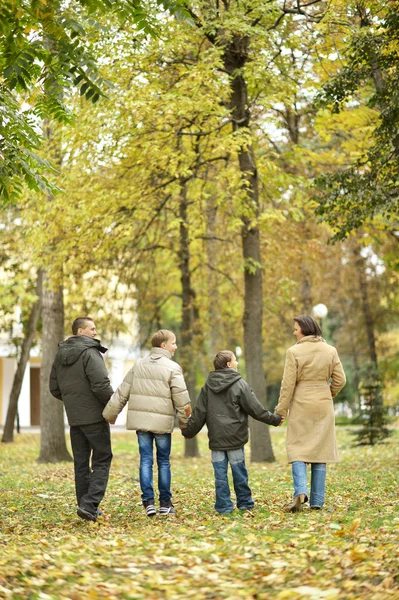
(161, 352)
(310, 338)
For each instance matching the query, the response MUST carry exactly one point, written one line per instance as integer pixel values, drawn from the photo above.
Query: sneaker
(167, 508)
(86, 515)
(150, 508)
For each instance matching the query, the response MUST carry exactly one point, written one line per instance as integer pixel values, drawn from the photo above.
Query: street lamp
(320, 311)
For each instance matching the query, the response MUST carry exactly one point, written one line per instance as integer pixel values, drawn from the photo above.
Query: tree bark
(306, 291)
(188, 314)
(52, 440)
(367, 314)
(234, 58)
(213, 294)
(8, 433)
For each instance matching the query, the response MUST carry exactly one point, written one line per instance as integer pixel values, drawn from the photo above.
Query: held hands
(281, 422)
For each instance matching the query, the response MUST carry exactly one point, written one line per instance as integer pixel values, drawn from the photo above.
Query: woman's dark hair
(308, 325)
(222, 358)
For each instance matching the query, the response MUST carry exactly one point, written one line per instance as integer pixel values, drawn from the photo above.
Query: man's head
(84, 326)
(225, 359)
(164, 339)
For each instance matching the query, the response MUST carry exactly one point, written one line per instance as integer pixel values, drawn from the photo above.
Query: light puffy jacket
(154, 387)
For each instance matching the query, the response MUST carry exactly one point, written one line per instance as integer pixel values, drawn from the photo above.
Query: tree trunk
(306, 291)
(234, 58)
(8, 433)
(188, 316)
(52, 440)
(367, 314)
(213, 293)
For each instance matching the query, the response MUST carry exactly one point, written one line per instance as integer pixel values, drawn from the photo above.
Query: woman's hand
(281, 422)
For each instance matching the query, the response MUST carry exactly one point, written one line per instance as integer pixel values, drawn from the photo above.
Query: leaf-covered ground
(349, 550)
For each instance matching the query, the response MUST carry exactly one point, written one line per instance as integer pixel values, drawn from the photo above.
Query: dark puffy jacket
(79, 378)
(224, 404)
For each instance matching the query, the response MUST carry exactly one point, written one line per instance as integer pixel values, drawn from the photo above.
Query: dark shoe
(99, 512)
(315, 507)
(150, 508)
(296, 506)
(86, 515)
(246, 507)
(167, 508)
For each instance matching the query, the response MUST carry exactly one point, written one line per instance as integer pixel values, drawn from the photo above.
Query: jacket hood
(218, 381)
(70, 350)
(159, 352)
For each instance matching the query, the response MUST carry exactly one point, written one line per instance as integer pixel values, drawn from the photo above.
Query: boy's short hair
(222, 358)
(161, 336)
(80, 323)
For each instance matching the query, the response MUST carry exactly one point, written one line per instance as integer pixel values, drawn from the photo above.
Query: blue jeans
(220, 461)
(317, 484)
(163, 443)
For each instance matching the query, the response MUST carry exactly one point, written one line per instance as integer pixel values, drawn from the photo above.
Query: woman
(306, 392)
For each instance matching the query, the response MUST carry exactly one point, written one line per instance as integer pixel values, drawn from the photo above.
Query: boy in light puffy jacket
(224, 404)
(154, 388)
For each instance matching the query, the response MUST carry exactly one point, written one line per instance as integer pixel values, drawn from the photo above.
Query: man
(80, 380)
(154, 388)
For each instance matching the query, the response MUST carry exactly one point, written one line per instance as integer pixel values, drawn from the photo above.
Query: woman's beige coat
(154, 387)
(307, 395)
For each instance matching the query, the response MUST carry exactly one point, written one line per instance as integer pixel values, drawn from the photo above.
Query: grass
(348, 550)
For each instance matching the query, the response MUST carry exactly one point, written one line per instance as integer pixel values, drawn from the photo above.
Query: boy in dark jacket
(80, 380)
(224, 404)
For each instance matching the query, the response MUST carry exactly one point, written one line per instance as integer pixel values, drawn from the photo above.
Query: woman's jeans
(163, 443)
(220, 461)
(317, 484)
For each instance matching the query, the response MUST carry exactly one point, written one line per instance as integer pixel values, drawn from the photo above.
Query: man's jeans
(163, 443)
(91, 440)
(220, 461)
(317, 482)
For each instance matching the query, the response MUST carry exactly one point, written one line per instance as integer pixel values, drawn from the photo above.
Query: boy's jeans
(220, 461)
(317, 482)
(163, 445)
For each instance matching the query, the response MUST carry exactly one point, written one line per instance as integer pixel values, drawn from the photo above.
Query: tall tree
(31, 327)
(233, 27)
(52, 430)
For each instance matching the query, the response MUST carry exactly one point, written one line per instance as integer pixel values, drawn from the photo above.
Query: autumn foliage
(346, 551)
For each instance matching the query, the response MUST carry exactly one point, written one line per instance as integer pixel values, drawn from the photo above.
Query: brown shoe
(296, 506)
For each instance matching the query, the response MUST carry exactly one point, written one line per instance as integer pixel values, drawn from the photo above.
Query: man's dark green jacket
(79, 378)
(224, 404)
